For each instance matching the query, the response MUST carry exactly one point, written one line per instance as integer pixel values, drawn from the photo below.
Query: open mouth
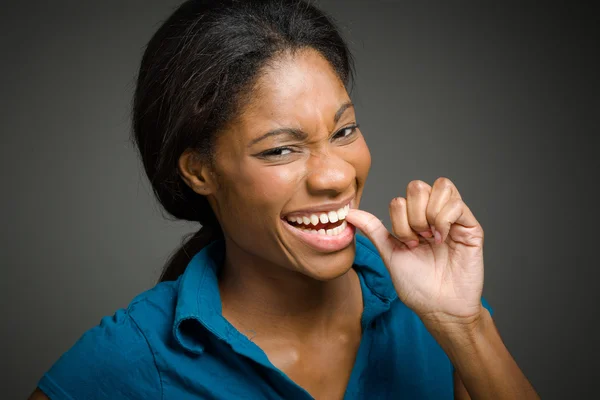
(330, 223)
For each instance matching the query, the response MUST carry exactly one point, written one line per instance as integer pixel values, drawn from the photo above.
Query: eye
(345, 132)
(276, 152)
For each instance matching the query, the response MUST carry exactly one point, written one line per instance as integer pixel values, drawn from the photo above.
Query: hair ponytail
(179, 260)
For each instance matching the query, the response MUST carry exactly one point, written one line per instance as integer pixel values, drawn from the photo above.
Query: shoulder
(368, 257)
(154, 309)
(116, 358)
(364, 244)
(372, 269)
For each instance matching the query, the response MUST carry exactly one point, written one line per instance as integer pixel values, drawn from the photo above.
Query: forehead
(297, 90)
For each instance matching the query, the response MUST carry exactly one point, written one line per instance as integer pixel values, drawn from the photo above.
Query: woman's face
(294, 153)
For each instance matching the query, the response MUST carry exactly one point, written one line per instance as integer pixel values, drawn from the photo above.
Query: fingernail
(438, 237)
(412, 244)
(432, 229)
(426, 234)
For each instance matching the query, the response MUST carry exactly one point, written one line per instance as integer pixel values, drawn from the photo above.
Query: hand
(435, 254)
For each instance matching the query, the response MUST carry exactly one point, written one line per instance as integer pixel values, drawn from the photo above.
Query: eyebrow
(297, 133)
(294, 133)
(341, 111)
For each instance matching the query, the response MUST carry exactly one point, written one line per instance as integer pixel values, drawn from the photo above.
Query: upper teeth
(314, 219)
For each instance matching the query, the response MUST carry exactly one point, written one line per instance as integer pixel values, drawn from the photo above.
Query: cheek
(253, 203)
(361, 160)
(269, 185)
(258, 193)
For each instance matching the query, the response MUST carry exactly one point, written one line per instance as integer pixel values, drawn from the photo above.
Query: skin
(303, 307)
(435, 258)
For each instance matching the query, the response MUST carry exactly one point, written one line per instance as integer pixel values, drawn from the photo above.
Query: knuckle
(416, 186)
(475, 236)
(401, 232)
(403, 237)
(444, 183)
(398, 202)
(372, 224)
(456, 203)
(430, 214)
(420, 225)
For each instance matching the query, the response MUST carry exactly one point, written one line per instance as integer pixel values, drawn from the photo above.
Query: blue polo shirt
(172, 342)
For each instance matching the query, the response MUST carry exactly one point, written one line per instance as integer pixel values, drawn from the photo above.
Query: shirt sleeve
(110, 361)
(487, 305)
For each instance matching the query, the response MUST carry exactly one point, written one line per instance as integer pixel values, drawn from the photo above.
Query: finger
(443, 190)
(454, 212)
(373, 229)
(400, 225)
(417, 198)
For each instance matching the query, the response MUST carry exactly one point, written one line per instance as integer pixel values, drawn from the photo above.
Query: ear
(196, 172)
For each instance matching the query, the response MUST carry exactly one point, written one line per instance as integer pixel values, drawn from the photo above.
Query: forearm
(482, 361)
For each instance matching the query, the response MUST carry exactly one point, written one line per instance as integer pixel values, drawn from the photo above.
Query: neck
(260, 296)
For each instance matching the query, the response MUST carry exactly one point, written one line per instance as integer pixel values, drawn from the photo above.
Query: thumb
(374, 229)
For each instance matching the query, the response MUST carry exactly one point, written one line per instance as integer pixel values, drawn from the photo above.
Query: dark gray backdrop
(502, 99)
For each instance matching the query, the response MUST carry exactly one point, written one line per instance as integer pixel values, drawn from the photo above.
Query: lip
(324, 243)
(321, 208)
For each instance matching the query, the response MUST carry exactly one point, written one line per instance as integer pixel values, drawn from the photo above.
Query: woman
(244, 124)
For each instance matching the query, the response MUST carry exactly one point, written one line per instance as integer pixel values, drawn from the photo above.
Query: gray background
(503, 100)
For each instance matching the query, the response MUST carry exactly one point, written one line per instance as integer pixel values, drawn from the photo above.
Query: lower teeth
(329, 232)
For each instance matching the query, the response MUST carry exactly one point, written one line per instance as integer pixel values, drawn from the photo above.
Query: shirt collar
(199, 301)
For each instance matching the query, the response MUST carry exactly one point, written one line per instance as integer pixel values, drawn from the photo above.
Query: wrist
(459, 333)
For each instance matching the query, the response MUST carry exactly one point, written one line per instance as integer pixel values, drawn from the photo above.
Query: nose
(330, 175)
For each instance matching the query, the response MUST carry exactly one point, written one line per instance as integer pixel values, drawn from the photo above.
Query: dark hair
(195, 73)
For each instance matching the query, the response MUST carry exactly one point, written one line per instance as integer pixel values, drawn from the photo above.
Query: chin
(327, 267)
